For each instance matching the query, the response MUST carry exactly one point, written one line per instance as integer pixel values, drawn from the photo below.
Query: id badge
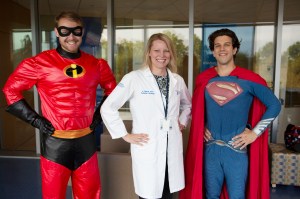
(165, 125)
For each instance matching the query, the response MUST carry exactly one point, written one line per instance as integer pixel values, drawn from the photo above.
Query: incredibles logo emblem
(74, 71)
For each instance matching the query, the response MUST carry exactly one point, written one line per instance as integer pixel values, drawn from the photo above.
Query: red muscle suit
(66, 83)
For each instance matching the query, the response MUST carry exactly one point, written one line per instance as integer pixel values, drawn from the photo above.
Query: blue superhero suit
(228, 100)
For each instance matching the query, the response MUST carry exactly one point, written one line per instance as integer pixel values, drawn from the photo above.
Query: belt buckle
(219, 142)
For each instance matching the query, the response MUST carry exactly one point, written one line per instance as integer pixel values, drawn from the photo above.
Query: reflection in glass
(22, 46)
(290, 79)
(136, 22)
(264, 52)
(131, 40)
(15, 135)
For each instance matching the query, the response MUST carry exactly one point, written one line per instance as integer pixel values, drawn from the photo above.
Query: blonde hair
(172, 65)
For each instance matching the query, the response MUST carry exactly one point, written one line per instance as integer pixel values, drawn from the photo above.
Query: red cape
(258, 176)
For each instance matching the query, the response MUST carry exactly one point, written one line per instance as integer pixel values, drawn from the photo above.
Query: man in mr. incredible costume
(66, 79)
(228, 101)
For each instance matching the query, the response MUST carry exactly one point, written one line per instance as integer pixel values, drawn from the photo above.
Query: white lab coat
(146, 106)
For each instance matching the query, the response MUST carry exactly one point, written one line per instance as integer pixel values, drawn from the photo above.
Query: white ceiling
(206, 11)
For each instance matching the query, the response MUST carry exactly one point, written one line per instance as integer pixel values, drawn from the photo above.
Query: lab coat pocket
(142, 153)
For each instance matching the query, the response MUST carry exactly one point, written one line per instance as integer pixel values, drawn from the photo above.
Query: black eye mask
(64, 31)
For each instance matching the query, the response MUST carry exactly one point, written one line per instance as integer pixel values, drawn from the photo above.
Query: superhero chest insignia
(74, 71)
(223, 92)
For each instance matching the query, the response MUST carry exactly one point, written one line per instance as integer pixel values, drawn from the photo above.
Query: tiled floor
(20, 179)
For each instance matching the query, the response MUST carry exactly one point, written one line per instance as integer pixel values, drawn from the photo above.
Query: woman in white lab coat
(160, 105)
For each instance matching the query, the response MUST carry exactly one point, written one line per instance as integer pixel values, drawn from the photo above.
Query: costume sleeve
(23, 78)
(109, 109)
(273, 106)
(185, 104)
(107, 79)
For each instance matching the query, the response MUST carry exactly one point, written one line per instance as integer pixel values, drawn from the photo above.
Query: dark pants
(166, 191)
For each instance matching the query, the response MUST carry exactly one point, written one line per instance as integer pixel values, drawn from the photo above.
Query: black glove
(97, 119)
(23, 111)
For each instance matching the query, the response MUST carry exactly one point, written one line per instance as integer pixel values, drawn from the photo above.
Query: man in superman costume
(66, 79)
(227, 101)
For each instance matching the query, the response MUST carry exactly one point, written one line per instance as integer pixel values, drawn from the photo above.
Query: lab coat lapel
(150, 78)
(172, 85)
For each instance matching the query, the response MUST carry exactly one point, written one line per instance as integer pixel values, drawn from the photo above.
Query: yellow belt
(71, 134)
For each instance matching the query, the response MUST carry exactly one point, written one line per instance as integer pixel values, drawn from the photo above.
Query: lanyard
(167, 96)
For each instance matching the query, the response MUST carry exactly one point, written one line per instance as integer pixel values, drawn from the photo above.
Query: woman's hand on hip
(139, 139)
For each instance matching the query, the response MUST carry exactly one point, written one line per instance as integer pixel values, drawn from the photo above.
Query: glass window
(136, 22)
(253, 26)
(289, 78)
(15, 38)
(290, 68)
(264, 52)
(252, 21)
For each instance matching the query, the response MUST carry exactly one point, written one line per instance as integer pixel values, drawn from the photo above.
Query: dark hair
(72, 16)
(224, 32)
